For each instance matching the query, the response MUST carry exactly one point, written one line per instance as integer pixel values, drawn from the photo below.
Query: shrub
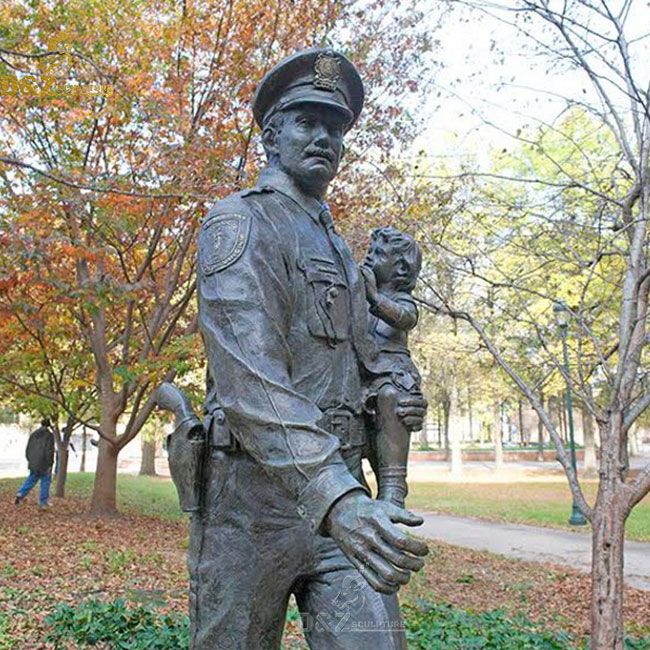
(430, 626)
(121, 627)
(5, 639)
(443, 627)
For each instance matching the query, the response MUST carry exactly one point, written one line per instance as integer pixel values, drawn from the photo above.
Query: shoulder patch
(222, 240)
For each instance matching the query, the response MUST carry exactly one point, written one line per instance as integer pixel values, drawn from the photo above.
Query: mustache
(321, 153)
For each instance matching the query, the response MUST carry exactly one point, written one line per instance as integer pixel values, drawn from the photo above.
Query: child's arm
(401, 314)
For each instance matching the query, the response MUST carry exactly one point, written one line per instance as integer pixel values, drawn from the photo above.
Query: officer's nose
(321, 136)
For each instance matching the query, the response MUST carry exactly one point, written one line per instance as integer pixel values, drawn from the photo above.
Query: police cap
(316, 76)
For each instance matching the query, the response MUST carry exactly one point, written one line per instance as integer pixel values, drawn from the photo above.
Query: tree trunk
(498, 436)
(607, 554)
(470, 413)
(64, 456)
(561, 413)
(446, 407)
(540, 434)
(148, 462)
(522, 436)
(589, 463)
(439, 428)
(455, 436)
(103, 502)
(84, 444)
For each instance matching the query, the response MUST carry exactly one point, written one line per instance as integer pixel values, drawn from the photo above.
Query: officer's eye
(305, 120)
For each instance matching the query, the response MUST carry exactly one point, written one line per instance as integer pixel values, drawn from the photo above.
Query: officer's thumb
(403, 516)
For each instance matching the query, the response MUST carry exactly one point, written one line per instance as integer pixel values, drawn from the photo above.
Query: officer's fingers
(386, 571)
(411, 411)
(400, 540)
(396, 557)
(412, 424)
(372, 578)
(415, 401)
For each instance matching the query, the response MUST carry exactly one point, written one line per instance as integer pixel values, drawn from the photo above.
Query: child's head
(395, 257)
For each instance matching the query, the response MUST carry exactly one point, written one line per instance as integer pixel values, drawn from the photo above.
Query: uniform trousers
(250, 550)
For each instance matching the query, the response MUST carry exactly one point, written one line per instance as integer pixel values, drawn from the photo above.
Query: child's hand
(372, 293)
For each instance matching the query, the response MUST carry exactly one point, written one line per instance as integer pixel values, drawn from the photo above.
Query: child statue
(390, 271)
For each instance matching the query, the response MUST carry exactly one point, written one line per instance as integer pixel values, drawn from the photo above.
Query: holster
(186, 449)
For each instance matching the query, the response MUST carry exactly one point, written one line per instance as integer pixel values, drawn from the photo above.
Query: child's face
(391, 269)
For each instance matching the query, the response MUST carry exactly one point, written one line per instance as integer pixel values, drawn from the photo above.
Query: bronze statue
(283, 507)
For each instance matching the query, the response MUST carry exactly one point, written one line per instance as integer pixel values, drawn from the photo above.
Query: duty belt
(346, 426)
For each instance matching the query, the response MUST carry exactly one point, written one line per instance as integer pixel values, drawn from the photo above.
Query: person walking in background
(40, 458)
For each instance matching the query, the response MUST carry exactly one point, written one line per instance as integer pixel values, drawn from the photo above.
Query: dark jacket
(40, 451)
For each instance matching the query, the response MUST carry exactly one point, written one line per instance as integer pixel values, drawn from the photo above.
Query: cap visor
(315, 96)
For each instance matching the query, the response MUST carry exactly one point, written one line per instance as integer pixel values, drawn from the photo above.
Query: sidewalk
(533, 544)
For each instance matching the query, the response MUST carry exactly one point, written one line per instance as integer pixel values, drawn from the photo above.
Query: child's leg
(392, 444)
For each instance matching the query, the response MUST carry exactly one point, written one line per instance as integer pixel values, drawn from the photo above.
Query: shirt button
(301, 511)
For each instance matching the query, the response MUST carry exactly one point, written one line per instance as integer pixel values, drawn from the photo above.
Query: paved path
(533, 544)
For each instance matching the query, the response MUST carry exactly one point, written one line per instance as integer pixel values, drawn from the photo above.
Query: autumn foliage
(135, 119)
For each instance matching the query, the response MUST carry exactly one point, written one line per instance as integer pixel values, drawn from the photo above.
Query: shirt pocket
(328, 313)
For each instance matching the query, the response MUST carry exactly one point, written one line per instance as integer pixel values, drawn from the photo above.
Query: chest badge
(222, 240)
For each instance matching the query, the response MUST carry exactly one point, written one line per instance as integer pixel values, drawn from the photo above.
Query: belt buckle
(340, 425)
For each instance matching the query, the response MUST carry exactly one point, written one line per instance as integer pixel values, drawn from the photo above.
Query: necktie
(358, 309)
(325, 217)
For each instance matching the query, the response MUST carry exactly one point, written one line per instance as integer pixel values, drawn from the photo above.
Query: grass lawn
(542, 504)
(150, 496)
(62, 556)
(546, 503)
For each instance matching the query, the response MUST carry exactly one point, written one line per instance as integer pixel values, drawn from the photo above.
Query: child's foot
(43, 506)
(18, 500)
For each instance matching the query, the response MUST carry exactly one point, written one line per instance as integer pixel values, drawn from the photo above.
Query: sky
(494, 80)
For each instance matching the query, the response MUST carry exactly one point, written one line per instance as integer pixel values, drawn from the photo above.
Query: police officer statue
(283, 317)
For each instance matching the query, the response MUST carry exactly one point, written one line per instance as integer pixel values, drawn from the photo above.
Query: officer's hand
(411, 410)
(365, 531)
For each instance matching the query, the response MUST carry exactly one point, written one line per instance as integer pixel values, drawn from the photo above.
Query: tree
(43, 370)
(135, 120)
(565, 218)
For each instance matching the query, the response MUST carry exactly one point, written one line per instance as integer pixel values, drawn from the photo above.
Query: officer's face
(309, 145)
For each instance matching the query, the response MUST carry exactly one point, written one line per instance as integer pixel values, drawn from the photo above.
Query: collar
(278, 180)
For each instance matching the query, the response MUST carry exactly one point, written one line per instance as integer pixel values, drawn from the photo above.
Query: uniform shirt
(283, 318)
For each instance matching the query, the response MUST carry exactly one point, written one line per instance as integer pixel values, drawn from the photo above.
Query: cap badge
(327, 71)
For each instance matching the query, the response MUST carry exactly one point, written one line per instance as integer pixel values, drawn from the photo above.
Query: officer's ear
(269, 141)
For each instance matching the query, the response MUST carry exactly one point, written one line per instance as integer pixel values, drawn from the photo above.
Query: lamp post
(562, 315)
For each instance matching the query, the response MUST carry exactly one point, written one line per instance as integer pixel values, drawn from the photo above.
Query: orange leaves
(78, 252)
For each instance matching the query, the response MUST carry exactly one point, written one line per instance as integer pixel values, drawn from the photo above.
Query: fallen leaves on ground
(62, 556)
